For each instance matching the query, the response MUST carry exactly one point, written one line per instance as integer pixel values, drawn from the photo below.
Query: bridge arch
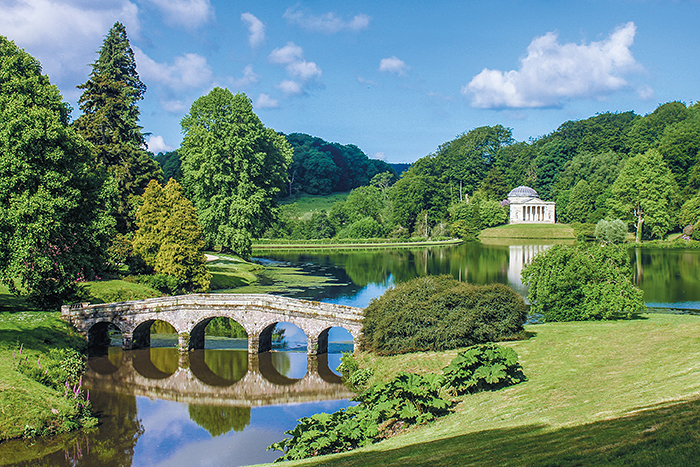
(197, 333)
(253, 311)
(141, 335)
(98, 333)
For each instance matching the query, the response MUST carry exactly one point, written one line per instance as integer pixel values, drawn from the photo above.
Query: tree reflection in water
(219, 420)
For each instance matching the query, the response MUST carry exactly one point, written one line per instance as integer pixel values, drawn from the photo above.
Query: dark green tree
(232, 169)
(646, 132)
(170, 164)
(52, 228)
(110, 122)
(581, 203)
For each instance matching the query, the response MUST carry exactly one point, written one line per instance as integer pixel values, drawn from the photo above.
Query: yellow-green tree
(169, 238)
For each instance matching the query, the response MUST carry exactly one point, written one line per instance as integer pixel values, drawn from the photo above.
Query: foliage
(614, 231)
(170, 164)
(53, 230)
(483, 368)
(690, 211)
(169, 238)
(388, 408)
(492, 213)
(232, 169)
(439, 313)
(219, 420)
(645, 192)
(354, 376)
(577, 283)
(110, 122)
(320, 168)
(383, 410)
(225, 327)
(366, 227)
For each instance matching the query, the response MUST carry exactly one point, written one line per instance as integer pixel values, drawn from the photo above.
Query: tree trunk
(638, 236)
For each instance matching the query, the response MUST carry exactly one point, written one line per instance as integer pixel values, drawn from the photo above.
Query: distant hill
(400, 167)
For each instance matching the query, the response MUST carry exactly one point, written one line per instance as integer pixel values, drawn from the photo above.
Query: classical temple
(526, 207)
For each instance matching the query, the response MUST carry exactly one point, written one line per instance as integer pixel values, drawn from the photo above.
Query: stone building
(526, 207)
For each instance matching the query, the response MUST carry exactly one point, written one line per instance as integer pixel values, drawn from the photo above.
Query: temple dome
(523, 192)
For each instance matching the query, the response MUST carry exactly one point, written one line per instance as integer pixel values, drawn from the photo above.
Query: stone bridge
(190, 314)
(193, 382)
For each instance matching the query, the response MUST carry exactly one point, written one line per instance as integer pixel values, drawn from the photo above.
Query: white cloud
(266, 102)
(65, 34)
(291, 55)
(393, 65)
(188, 13)
(156, 144)
(290, 87)
(646, 92)
(188, 71)
(379, 155)
(288, 54)
(304, 70)
(173, 106)
(256, 28)
(327, 23)
(249, 77)
(552, 72)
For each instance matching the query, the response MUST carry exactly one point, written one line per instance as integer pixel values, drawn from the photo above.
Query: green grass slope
(307, 204)
(598, 393)
(543, 231)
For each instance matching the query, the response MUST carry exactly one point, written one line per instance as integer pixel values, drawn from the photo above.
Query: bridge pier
(183, 342)
(127, 340)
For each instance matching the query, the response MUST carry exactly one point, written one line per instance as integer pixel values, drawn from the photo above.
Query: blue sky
(396, 78)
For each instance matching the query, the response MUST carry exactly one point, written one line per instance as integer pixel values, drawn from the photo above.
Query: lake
(222, 407)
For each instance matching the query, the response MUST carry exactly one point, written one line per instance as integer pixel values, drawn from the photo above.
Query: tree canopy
(233, 168)
(52, 228)
(110, 121)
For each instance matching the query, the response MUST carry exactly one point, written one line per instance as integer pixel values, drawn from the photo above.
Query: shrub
(354, 376)
(366, 227)
(387, 409)
(577, 283)
(613, 231)
(440, 313)
(483, 368)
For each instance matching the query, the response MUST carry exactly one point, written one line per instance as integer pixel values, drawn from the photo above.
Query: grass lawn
(23, 401)
(544, 231)
(598, 393)
(309, 203)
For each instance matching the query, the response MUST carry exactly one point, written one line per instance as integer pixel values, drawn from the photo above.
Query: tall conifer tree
(110, 122)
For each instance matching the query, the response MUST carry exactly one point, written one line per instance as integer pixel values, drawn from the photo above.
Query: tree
(232, 169)
(581, 203)
(169, 238)
(110, 122)
(52, 229)
(579, 283)
(613, 231)
(645, 192)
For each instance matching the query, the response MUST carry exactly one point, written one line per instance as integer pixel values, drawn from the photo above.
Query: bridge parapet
(190, 314)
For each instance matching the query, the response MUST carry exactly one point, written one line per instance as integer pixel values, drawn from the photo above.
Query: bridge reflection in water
(236, 379)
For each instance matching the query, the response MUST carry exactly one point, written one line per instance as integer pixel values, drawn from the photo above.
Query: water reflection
(668, 277)
(220, 377)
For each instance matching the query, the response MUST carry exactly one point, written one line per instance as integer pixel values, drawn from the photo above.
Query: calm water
(220, 407)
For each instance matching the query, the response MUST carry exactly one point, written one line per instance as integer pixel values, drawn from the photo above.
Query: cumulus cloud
(256, 29)
(65, 34)
(264, 101)
(646, 92)
(327, 23)
(291, 56)
(156, 144)
(249, 77)
(552, 72)
(288, 54)
(379, 155)
(173, 106)
(188, 71)
(188, 13)
(393, 65)
(290, 87)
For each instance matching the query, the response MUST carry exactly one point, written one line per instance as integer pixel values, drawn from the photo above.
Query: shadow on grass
(660, 435)
(43, 337)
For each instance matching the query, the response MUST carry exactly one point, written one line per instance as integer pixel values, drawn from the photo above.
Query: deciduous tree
(645, 192)
(232, 168)
(52, 231)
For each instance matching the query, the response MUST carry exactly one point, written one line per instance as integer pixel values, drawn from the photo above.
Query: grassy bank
(599, 393)
(307, 204)
(543, 231)
(29, 408)
(346, 244)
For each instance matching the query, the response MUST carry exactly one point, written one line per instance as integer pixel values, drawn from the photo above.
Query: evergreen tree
(110, 122)
(52, 230)
(169, 238)
(232, 169)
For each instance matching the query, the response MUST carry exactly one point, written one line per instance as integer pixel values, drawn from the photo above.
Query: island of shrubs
(441, 313)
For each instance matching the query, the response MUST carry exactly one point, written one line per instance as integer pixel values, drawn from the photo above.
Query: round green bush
(441, 313)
